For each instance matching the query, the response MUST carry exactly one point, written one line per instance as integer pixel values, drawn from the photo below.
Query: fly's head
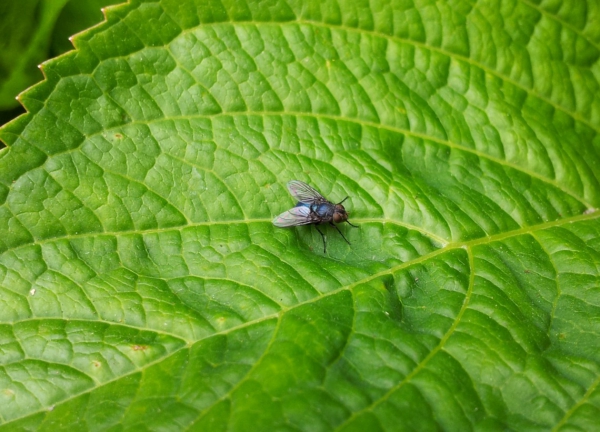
(339, 214)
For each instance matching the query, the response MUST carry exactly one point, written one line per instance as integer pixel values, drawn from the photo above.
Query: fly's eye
(337, 217)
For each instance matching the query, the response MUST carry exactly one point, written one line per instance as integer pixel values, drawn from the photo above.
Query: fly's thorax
(339, 214)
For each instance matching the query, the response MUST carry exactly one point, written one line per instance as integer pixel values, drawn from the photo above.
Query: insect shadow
(312, 209)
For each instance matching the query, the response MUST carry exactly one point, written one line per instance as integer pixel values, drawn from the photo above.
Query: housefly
(312, 209)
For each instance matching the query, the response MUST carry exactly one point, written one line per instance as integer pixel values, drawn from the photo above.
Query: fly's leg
(338, 230)
(324, 239)
(355, 226)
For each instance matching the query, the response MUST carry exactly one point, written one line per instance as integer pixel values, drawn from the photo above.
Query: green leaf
(144, 287)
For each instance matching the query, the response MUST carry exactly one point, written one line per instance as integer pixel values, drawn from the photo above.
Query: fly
(312, 209)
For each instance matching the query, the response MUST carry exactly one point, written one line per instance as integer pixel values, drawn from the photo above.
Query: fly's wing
(293, 217)
(304, 193)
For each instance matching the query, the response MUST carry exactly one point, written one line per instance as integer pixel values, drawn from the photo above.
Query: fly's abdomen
(324, 211)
